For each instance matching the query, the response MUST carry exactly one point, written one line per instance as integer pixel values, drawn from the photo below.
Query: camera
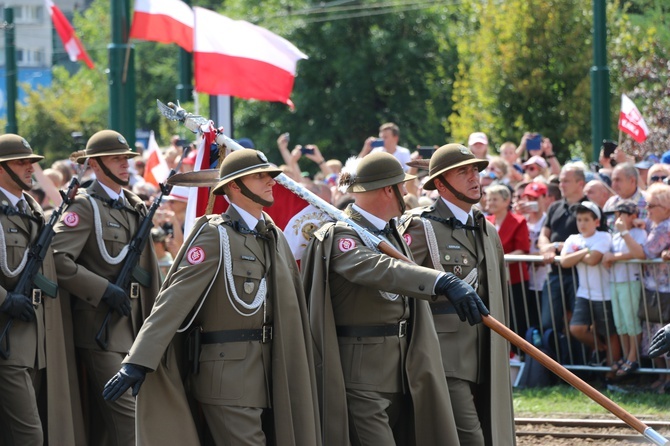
(168, 228)
(377, 143)
(534, 142)
(426, 151)
(305, 150)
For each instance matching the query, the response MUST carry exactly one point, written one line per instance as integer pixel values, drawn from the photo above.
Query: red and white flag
(156, 169)
(631, 121)
(165, 21)
(237, 58)
(75, 50)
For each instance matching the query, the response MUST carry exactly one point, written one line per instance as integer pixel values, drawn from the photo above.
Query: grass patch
(566, 401)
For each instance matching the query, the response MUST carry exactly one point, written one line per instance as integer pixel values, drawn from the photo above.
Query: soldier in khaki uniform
(89, 247)
(235, 287)
(375, 342)
(36, 338)
(453, 236)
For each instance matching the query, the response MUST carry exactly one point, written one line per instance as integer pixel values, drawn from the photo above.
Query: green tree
(523, 66)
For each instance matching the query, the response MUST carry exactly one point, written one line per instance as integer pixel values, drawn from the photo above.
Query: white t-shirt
(538, 271)
(594, 281)
(401, 154)
(621, 271)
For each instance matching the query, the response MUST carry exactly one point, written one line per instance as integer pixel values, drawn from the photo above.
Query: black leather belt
(368, 331)
(442, 308)
(252, 334)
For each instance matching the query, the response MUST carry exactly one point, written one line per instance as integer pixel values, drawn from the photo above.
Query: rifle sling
(142, 276)
(49, 287)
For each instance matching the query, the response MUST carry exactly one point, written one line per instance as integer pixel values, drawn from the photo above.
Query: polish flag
(236, 58)
(631, 121)
(165, 21)
(156, 169)
(75, 50)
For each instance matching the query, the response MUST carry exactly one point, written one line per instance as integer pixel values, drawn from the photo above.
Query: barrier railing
(529, 310)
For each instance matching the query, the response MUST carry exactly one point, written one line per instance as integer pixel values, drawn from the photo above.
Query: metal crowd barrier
(526, 305)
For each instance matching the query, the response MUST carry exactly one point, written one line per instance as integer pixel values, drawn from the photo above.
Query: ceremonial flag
(631, 121)
(286, 211)
(75, 50)
(165, 21)
(156, 169)
(237, 58)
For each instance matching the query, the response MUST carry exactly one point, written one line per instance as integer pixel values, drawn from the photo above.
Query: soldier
(235, 286)
(453, 236)
(375, 341)
(90, 245)
(26, 320)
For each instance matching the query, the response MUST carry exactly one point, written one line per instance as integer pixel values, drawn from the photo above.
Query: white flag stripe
(175, 9)
(216, 33)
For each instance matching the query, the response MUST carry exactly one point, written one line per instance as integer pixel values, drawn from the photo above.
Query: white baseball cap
(478, 137)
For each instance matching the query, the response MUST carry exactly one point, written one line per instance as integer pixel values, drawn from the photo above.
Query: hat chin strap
(113, 177)
(458, 194)
(398, 195)
(15, 177)
(250, 195)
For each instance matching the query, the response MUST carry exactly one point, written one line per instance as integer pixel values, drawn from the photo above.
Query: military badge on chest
(249, 287)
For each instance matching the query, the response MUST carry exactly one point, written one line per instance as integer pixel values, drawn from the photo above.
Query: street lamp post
(600, 84)
(121, 73)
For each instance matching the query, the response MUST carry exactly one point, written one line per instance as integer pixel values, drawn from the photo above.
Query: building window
(29, 14)
(29, 57)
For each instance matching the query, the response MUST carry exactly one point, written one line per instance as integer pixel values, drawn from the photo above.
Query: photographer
(171, 218)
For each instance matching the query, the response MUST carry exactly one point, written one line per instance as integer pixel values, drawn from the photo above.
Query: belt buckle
(266, 331)
(402, 329)
(134, 290)
(37, 297)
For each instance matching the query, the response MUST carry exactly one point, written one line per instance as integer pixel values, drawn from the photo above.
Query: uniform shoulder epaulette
(323, 230)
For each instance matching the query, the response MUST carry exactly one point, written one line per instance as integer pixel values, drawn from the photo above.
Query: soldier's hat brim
(259, 168)
(128, 153)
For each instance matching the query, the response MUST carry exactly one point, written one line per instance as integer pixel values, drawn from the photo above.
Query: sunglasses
(656, 178)
(531, 167)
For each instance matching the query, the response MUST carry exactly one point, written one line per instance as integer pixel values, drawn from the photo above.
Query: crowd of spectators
(536, 204)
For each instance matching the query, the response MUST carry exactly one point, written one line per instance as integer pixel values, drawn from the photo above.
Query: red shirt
(513, 233)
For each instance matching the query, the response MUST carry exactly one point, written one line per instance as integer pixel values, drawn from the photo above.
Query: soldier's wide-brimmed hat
(241, 163)
(104, 143)
(376, 170)
(14, 147)
(450, 157)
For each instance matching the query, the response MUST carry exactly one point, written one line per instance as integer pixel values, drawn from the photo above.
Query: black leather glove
(660, 343)
(130, 375)
(19, 307)
(463, 297)
(117, 299)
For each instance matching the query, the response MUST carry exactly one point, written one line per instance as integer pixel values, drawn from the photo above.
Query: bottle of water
(537, 339)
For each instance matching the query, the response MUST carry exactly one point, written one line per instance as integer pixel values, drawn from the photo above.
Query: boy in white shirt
(626, 286)
(592, 321)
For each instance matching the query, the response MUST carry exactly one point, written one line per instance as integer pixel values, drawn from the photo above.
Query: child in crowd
(626, 286)
(592, 321)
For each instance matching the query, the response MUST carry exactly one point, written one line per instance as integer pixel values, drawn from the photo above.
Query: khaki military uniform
(475, 360)
(84, 272)
(374, 388)
(34, 347)
(237, 380)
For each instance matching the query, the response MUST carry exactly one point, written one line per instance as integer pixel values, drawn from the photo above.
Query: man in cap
(235, 288)
(478, 143)
(90, 246)
(374, 336)
(453, 236)
(26, 349)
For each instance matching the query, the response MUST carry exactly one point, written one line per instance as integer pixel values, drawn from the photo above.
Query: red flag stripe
(73, 46)
(161, 28)
(244, 78)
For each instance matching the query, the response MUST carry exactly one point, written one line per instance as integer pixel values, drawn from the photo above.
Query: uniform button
(222, 354)
(248, 273)
(359, 338)
(421, 287)
(116, 236)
